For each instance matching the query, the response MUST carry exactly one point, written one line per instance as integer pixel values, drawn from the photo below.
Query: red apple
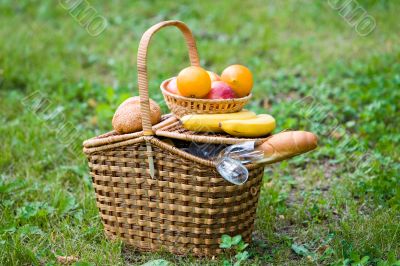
(213, 76)
(220, 90)
(172, 87)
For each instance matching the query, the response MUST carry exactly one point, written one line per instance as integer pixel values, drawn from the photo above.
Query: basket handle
(142, 65)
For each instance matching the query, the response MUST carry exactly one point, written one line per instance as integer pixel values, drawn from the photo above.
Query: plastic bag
(231, 160)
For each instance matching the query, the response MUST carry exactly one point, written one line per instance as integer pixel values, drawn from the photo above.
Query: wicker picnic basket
(153, 195)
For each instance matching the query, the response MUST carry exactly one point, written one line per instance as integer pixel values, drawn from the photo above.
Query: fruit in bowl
(172, 86)
(220, 90)
(239, 78)
(213, 76)
(194, 82)
(236, 81)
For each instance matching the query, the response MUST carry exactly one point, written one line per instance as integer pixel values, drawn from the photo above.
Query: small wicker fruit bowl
(181, 106)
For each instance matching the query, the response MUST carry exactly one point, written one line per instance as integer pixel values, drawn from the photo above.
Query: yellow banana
(255, 127)
(210, 122)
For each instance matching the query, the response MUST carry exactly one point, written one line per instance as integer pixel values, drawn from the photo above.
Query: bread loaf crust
(287, 144)
(128, 118)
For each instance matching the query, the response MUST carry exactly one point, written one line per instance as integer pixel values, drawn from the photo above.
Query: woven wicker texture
(181, 106)
(142, 65)
(187, 206)
(170, 127)
(175, 130)
(177, 104)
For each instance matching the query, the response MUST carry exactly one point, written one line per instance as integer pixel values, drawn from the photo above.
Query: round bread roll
(128, 119)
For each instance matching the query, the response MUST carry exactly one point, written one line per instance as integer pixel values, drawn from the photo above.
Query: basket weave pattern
(181, 106)
(153, 195)
(186, 208)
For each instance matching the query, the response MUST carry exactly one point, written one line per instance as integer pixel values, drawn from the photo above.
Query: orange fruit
(213, 76)
(194, 82)
(239, 79)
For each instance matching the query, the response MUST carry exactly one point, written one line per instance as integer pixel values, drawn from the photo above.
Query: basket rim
(155, 141)
(109, 141)
(162, 130)
(163, 145)
(112, 136)
(210, 101)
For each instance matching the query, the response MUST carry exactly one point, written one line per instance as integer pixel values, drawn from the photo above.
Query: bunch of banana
(240, 124)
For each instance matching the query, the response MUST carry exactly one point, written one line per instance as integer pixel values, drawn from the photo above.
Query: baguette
(286, 144)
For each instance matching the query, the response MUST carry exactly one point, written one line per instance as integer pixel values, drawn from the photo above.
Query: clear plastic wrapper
(204, 150)
(231, 160)
(232, 170)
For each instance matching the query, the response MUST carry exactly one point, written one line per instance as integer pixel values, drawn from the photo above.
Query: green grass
(338, 205)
